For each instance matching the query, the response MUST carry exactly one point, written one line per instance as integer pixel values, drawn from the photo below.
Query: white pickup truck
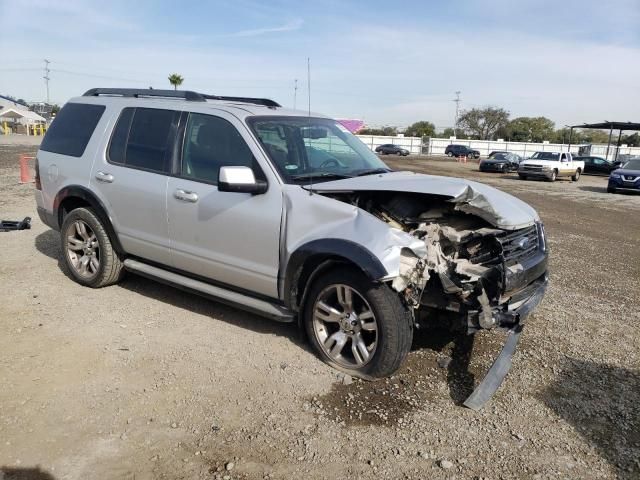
(551, 165)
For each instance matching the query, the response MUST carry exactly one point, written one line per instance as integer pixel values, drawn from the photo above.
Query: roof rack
(146, 92)
(182, 94)
(257, 101)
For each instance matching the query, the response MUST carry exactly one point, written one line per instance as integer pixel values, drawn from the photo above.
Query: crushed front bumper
(513, 317)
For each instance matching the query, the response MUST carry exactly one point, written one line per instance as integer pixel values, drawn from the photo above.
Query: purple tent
(352, 125)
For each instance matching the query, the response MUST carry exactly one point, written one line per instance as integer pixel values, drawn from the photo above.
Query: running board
(229, 297)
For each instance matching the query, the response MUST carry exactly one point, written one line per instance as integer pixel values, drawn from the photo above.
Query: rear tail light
(37, 176)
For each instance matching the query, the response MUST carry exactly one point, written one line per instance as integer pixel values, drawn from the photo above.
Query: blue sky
(389, 63)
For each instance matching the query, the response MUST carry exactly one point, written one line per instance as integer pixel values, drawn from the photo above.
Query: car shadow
(602, 403)
(11, 473)
(460, 380)
(48, 243)
(593, 189)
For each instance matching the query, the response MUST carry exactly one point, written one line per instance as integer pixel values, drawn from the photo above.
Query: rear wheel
(522, 177)
(357, 326)
(88, 251)
(576, 176)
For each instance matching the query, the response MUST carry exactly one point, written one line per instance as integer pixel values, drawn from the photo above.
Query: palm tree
(175, 80)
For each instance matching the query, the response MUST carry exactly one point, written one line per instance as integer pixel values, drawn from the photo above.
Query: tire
(611, 190)
(103, 265)
(554, 176)
(470, 156)
(386, 346)
(575, 177)
(522, 177)
(450, 154)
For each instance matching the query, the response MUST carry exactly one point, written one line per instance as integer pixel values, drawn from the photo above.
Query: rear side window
(142, 139)
(72, 128)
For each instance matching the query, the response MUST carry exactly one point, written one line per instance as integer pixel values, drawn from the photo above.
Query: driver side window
(210, 143)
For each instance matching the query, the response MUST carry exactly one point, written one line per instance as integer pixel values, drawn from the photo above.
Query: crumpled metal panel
(498, 208)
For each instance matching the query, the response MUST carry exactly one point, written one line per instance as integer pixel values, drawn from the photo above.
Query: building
(16, 118)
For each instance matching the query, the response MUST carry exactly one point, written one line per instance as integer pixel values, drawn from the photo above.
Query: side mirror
(240, 180)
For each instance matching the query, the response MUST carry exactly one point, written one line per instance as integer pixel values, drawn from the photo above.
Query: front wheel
(554, 176)
(88, 251)
(522, 177)
(357, 326)
(611, 190)
(576, 176)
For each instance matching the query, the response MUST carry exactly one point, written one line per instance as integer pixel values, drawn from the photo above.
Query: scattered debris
(8, 225)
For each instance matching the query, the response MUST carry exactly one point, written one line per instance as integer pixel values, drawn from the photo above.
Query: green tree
(384, 131)
(483, 123)
(631, 140)
(175, 80)
(530, 129)
(421, 129)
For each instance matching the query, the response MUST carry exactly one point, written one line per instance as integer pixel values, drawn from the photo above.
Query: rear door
(131, 179)
(232, 238)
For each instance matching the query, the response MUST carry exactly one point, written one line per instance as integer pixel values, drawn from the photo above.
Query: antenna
(295, 92)
(309, 83)
(46, 76)
(309, 114)
(455, 124)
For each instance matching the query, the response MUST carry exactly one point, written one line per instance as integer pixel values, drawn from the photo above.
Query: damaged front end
(470, 273)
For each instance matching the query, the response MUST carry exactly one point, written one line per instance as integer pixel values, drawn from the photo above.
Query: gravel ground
(143, 381)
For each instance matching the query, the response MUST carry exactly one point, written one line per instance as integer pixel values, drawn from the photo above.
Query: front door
(232, 238)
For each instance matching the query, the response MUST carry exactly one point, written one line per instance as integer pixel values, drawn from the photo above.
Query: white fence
(436, 146)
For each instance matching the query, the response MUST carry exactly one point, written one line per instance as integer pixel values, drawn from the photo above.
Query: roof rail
(256, 101)
(142, 92)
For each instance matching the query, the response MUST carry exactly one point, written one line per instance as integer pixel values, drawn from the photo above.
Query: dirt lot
(143, 381)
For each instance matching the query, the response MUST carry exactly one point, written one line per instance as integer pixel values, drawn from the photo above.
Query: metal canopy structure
(620, 126)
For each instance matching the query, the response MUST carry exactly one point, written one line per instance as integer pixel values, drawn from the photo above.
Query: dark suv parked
(461, 151)
(390, 149)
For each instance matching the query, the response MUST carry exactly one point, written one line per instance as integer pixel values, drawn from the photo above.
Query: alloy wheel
(345, 326)
(83, 249)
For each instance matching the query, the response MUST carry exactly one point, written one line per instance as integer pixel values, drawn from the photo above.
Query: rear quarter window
(72, 128)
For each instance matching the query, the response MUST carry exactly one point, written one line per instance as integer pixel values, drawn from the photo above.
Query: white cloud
(287, 27)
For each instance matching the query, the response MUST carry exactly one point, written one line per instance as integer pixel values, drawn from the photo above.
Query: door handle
(104, 177)
(186, 196)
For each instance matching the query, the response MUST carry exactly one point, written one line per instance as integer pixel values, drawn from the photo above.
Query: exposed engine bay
(462, 267)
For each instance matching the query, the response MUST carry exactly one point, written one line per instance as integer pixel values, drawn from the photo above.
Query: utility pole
(295, 92)
(455, 125)
(46, 76)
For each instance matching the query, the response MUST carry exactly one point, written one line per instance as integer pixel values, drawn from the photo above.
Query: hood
(539, 162)
(498, 208)
(626, 171)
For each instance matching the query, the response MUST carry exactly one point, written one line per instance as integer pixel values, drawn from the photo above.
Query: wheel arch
(77, 196)
(317, 256)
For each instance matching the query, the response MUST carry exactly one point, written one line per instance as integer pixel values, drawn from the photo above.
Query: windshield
(546, 156)
(302, 148)
(632, 164)
(498, 156)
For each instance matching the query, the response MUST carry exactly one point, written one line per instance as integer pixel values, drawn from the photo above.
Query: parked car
(390, 149)
(625, 178)
(500, 162)
(551, 165)
(288, 216)
(461, 151)
(595, 165)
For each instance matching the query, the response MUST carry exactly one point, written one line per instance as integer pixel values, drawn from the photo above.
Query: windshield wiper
(373, 171)
(312, 175)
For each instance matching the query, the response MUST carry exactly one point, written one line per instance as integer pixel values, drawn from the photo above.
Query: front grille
(519, 244)
(533, 168)
(629, 178)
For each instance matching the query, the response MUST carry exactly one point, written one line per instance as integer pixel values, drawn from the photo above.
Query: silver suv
(289, 216)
